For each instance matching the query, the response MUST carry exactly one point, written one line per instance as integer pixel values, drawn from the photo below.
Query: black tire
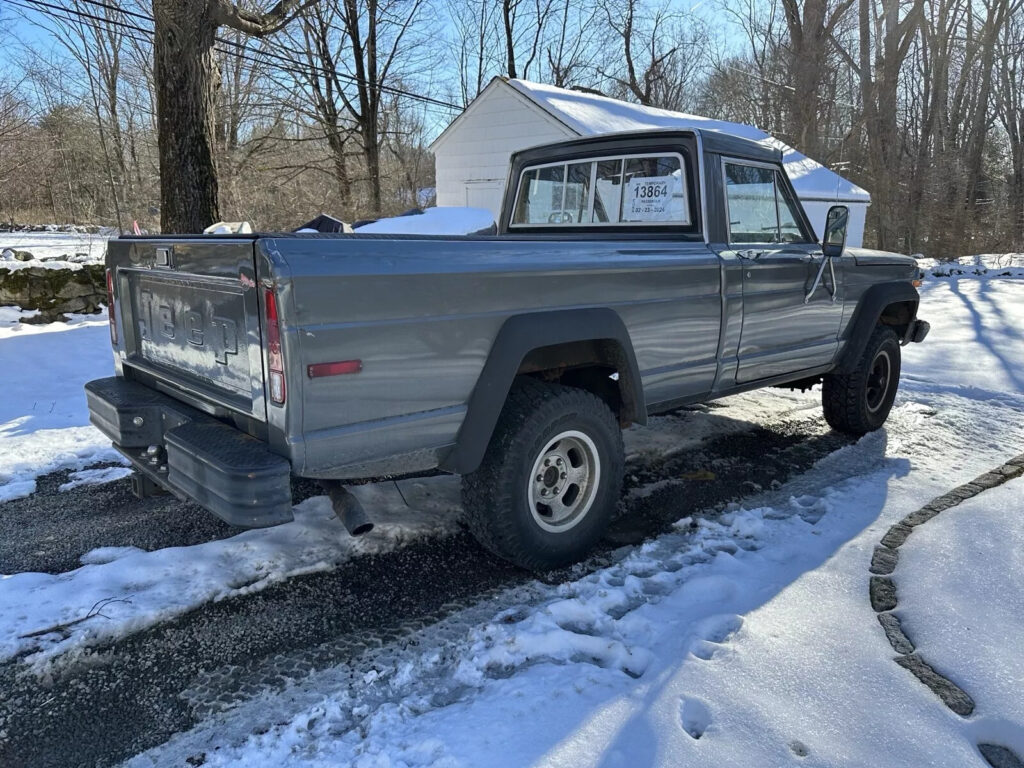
(859, 402)
(496, 497)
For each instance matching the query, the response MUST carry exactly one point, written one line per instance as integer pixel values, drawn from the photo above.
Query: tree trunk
(337, 142)
(372, 153)
(808, 64)
(508, 9)
(184, 75)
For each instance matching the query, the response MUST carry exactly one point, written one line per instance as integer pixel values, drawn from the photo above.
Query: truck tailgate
(191, 319)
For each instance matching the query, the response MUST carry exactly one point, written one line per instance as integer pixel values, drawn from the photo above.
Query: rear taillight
(111, 315)
(275, 358)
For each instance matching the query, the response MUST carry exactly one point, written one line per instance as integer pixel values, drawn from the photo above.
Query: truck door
(783, 329)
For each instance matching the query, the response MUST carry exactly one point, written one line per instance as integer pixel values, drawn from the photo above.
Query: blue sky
(18, 32)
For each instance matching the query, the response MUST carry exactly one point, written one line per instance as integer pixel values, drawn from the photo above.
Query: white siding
(472, 158)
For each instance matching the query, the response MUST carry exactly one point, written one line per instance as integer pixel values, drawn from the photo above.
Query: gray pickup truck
(630, 274)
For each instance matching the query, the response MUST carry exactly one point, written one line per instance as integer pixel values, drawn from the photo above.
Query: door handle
(750, 253)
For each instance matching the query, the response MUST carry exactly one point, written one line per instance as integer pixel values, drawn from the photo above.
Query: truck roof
(714, 141)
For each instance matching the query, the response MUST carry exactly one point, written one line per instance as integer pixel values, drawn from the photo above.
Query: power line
(293, 67)
(120, 10)
(71, 20)
(38, 5)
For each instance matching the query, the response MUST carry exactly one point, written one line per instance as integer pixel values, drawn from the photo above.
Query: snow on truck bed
(433, 221)
(745, 639)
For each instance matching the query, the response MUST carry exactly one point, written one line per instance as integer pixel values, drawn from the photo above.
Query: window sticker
(650, 198)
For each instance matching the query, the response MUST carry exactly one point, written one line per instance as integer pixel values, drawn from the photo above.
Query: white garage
(472, 154)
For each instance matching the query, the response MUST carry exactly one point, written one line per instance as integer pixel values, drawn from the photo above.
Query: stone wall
(54, 291)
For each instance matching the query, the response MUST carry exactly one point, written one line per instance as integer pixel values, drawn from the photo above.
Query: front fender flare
(869, 309)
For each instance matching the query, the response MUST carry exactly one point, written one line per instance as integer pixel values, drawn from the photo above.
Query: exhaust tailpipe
(348, 509)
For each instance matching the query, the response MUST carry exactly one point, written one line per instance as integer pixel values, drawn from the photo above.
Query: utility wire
(278, 61)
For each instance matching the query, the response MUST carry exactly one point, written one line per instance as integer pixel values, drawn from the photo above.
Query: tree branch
(225, 13)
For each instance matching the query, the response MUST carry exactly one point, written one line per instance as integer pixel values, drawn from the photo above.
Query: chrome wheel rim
(564, 481)
(879, 381)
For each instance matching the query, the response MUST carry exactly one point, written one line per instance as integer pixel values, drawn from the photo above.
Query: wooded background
(918, 101)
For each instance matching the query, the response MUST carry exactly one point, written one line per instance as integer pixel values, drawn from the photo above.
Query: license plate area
(200, 334)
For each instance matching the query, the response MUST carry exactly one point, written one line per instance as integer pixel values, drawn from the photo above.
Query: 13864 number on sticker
(650, 191)
(652, 198)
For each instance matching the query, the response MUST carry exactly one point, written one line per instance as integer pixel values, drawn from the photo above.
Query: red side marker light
(340, 368)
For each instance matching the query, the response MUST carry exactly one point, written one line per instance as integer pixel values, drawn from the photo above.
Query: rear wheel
(859, 402)
(550, 479)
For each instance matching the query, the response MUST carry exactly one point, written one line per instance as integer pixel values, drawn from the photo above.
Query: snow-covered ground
(44, 424)
(951, 616)
(742, 639)
(54, 250)
(1001, 264)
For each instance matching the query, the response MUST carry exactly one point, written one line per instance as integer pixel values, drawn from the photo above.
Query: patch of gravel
(50, 530)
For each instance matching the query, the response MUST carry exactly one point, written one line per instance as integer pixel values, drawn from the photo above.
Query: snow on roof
(589, 114)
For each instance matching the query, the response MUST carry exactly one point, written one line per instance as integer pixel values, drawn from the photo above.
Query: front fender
(869, 309)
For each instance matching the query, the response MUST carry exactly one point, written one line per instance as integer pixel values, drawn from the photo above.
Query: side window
(750, 193)
(623, 191)
(540, 196)
(789, 227)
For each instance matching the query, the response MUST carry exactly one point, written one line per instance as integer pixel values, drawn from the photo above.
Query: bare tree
(1011, 117)
(574, 46)
(524, 24)
(887, 28)
(473, 42)
(17, 153)
(811, 25)
(659, 53)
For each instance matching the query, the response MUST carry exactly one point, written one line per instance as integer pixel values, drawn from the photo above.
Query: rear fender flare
(520, 335)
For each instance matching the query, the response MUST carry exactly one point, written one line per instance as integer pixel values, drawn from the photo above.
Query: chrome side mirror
(833, 241)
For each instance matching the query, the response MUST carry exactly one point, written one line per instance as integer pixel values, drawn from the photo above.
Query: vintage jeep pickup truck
(630, 274)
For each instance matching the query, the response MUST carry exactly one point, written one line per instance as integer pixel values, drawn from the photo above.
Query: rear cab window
(645, 190)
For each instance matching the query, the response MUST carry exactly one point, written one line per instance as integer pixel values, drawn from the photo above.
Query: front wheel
(551, 477)
(859, 402)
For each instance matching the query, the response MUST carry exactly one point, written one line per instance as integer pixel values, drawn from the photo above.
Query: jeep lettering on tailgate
(218, 334)
(195, 327)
